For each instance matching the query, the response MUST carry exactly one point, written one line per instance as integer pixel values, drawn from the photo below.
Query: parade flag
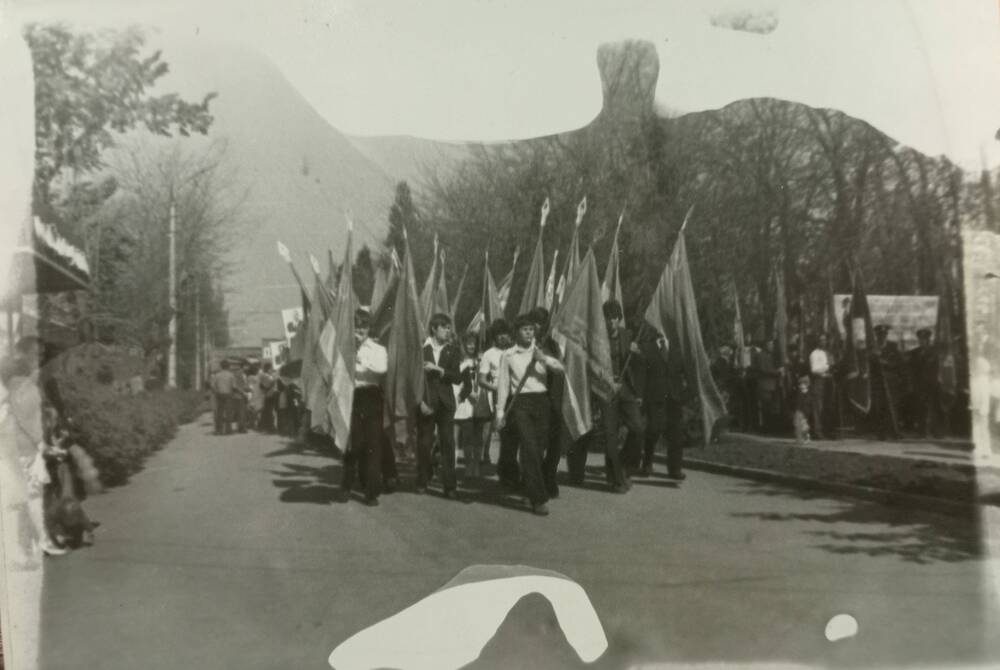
(341, 395)
(458, 293)
(674, 312)
(332, 272)
(287, 256)
(404, 382)
(503, 288)
(430, 286)
(611, 289)
(379, 287)
(780, 317)
(830, 326)
(490, 308)
(573, 257)
(382, 310)
(860, 340)
(440, 304)
(947, 371)
(582, 335)
(550, 283)
(741, 359)
(534, 290)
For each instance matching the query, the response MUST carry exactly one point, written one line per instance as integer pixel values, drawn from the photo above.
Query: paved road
(230, 552)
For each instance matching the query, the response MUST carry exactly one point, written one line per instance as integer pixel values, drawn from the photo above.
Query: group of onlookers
(248, 396)
(808, 395)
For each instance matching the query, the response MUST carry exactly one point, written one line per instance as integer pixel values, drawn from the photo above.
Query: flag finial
(546, 206)
(687, 217)
(350, 219)
(314, 263)
(284, 253)
(581, 209)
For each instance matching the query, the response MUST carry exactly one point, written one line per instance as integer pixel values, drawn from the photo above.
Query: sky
(927, 72)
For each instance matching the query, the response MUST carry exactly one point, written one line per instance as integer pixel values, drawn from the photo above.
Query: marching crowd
(509, 383)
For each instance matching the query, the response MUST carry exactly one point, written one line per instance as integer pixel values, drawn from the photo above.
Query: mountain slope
(299, 172)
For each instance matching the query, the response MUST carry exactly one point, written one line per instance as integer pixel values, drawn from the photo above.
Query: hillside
(300, 175)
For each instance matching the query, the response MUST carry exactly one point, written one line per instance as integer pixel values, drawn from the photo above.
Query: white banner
(904, 314)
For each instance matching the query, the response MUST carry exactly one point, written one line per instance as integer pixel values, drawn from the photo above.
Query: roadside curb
(883, 496)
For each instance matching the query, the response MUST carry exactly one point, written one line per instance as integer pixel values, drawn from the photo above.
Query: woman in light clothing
(489, 372)
(470, 417)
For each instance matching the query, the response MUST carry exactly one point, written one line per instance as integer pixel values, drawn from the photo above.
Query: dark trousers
(239, 404)
(928, 411)
(223, 413)
(529, 417)
(622, 409)
(819, 397)
(576, 456)
(508, 470)
(367, 441)
(443, 419)
(664, 419)
(266, 422)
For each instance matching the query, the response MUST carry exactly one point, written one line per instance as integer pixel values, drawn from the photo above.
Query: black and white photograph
(488, 334)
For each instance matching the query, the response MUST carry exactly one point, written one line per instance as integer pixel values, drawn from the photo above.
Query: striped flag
(582, 335)
(341, 396)
(572, 266)
(673, 311)
(534, 290)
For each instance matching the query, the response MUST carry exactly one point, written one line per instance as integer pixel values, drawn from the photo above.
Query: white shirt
(370, 364)
(514, 364)
(819, 362)
(435, 349)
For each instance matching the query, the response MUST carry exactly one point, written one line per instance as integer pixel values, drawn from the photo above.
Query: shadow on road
(872, 529)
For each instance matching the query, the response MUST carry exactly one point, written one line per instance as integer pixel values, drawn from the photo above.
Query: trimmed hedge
(120, 431)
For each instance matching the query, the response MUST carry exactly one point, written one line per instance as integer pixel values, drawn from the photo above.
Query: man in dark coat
(625, 407)
(886, 362)
(923, 363)
(665, 392)
(437, 410)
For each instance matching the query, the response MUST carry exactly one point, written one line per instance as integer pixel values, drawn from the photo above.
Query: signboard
(291, 319)
(904, 314)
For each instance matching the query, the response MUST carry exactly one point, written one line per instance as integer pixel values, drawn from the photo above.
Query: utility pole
(197, 338)
(172, 333)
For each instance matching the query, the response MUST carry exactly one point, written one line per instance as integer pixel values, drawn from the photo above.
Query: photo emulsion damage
(485, 335)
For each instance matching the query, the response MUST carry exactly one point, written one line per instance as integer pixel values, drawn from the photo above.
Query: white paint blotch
(841, 627)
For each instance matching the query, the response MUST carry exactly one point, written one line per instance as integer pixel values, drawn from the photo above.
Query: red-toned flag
(458, 293)
(582, 335)
(503, 288)
(490, 309)
(947, 371)
(611, 288)
(404, 382)
(860, 341)
(740, 358)
(780, 316)
(673, 311)
(430, 288)
(571, 268)
(440, 303)
(534, 290)
(341, 395)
